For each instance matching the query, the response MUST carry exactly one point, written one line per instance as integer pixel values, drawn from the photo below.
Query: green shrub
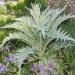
(2, 35)
(6, 18)
(3, 9)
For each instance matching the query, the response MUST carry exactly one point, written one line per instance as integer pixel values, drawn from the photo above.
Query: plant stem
(19, 72)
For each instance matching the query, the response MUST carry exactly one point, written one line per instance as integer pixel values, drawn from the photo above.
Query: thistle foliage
(39, 29)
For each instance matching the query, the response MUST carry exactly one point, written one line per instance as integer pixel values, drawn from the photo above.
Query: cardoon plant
(41, 32)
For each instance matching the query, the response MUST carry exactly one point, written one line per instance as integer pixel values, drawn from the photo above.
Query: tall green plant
(40, 31)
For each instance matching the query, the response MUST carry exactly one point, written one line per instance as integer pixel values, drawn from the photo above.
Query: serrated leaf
(22, 54)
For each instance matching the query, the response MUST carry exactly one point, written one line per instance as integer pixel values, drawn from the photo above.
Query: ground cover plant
(47, 45)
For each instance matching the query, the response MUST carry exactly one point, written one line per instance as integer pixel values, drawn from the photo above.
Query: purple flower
(9, 58)
(42, 69)
(2, 68)
(34, 66)
(50, 64)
